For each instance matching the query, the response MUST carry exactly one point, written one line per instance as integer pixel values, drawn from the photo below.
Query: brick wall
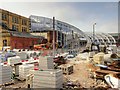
(22, 42)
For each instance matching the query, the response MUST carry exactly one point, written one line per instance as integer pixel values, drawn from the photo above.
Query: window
(4, 42)
(4, 16)
(15, 28)
(24, 29)
(15, 20)
(24, 22)
(4, 25)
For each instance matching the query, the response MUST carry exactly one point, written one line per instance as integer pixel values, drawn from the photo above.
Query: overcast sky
(80, 14)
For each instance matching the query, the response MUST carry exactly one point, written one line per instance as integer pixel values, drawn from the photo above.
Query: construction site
(35, 69)
(46, 53)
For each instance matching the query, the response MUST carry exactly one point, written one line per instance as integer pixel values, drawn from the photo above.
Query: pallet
(7, 84)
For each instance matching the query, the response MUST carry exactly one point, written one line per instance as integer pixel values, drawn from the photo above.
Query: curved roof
(101, 38)
(39, 23)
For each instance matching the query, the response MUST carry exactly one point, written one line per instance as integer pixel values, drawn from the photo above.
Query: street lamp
(94, 32)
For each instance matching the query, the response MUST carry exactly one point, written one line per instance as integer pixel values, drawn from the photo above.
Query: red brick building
(24, 40)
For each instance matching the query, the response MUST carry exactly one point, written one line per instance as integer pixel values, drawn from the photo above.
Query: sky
(78, 13)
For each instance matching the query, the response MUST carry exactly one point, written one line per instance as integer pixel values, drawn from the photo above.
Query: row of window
(14, 19)
(16, 28)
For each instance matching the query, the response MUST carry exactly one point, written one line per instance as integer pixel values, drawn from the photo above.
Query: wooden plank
(106, 72)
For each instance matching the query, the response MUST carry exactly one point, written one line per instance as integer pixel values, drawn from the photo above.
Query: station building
(66, 35)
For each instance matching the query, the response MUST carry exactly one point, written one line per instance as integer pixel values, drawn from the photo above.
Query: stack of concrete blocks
(46, 62)
(48, 79)
(5, 74)
(16, 70)
(46, 76)
(24, 70)
(14, 60)
(66, 68)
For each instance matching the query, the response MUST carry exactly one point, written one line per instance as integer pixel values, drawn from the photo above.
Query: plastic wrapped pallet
(24, 70)
(109, 57)
(14, 60)
(46, 62)
(48, 79)
(99, 58)
(5, 74)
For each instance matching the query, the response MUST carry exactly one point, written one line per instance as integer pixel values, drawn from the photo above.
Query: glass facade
(66, 33)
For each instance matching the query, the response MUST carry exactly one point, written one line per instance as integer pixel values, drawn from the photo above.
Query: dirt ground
(82, 74)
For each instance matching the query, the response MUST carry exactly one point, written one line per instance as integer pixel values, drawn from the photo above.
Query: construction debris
(113, 80)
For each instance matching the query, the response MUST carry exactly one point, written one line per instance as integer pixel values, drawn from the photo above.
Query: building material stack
(46, 63)
(46, 76)
(66, 68)
(5, 74)
(24, 70)
(14, 60)
(47, 79)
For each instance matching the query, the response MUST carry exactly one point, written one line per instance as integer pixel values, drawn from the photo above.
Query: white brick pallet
(47, 79)
(5, 74)
(13, 60)
(24, 70)
(46, 62)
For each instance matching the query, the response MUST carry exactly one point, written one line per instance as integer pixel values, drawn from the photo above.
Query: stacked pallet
(5, 74)
(46, 62)
(48, 79)
(24, 70)
(13, 60)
